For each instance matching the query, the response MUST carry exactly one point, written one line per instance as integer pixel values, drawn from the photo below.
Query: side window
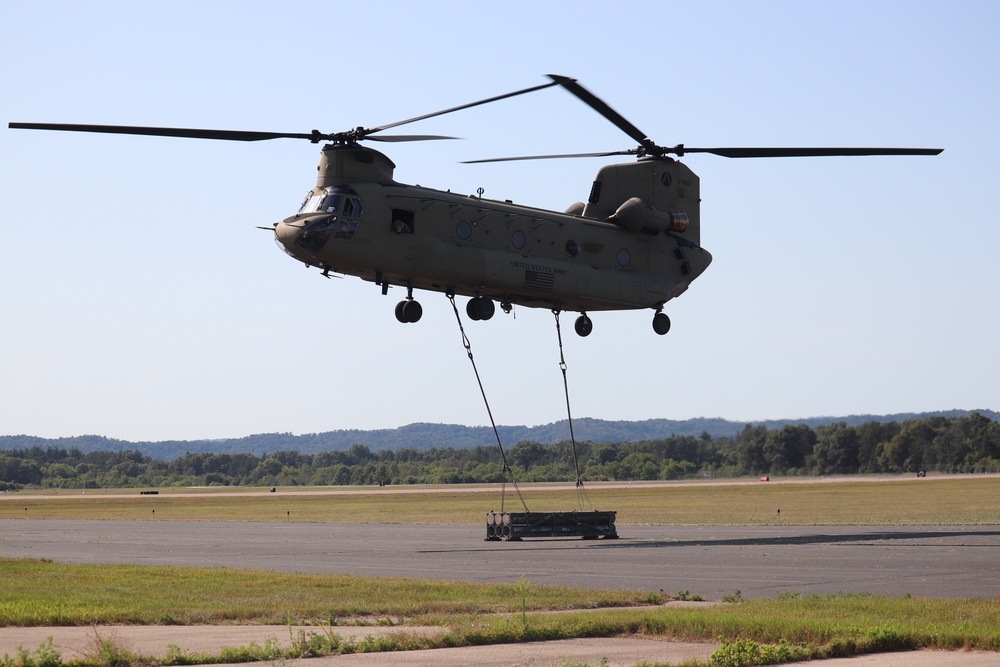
(403, 222)
(352, 208)
(349, 218)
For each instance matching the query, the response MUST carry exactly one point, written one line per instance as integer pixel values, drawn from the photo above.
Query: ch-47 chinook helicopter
(635, 244)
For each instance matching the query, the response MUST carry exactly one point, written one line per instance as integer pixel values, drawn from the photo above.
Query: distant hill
(429, 436)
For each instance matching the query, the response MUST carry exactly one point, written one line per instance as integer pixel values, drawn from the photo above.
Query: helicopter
(634, 244)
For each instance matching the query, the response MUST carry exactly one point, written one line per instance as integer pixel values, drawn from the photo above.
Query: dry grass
(950, 500)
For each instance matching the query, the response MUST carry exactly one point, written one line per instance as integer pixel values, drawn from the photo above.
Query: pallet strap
(581, 492)
(507, 472)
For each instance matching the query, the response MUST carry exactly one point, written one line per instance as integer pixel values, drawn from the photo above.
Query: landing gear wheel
(409, 311)
(661, 323)
(412, 310)
(486, 307)
(472, 309)
(583, 325)
(480, 308)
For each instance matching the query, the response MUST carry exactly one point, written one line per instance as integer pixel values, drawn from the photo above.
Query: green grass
(827, 625)
(887, 501)
(37, 593)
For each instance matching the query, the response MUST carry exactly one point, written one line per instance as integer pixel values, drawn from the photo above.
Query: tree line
(938, 444)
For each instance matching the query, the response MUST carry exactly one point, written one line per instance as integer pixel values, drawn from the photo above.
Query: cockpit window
(331, 203)
(311, 203)
(333, 200)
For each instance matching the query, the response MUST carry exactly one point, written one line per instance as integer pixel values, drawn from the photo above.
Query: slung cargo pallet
(514, 526)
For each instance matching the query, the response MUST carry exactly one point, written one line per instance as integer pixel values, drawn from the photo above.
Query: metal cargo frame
(514, 526)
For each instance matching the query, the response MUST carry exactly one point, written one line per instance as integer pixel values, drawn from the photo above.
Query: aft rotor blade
(803, 152)
(601, 107)
(190, 133)
(459, 108)
(551, 157)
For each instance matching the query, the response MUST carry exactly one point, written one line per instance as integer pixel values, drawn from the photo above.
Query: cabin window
(464, 230)
(518, 239)
(403, 221)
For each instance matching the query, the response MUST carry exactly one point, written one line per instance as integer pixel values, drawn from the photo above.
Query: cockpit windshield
(331, 203)
(311, 203)
(333, 200)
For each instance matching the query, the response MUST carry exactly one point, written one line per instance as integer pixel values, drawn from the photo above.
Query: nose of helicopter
(285, 232)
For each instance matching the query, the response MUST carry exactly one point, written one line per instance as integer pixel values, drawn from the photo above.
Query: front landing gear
(409, 309)
(480, 308)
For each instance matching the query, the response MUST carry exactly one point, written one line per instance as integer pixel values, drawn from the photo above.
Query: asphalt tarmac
(710, 561)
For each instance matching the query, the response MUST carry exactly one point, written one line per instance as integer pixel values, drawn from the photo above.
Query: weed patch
(45, 655)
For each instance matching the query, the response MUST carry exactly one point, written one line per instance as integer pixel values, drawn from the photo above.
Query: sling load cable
(581, 492)
(506, 467)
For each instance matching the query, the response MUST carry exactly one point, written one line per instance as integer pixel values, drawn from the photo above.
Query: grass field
(952, 500)
(37, 593)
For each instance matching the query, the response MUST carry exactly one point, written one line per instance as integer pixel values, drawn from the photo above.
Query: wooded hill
(968, 443)
(423, 436)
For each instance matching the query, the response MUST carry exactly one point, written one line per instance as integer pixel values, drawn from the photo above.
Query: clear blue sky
(140, 302)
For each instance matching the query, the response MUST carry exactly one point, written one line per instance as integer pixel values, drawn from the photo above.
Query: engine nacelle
(637, 216)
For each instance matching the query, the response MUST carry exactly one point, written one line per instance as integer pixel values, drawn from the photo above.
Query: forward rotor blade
(189, 133)
(803, 152)
(459, 108)
(601, 107)
(409, 137)
(551, 157)
(315, 136)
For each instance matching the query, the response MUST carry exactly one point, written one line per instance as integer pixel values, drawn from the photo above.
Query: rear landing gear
(583, 325)
(661, 323)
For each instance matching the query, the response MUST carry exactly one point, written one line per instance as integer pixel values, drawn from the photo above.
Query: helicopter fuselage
(635, 243)
(619, 251)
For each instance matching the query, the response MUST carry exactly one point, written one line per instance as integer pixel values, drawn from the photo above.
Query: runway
(710, 561)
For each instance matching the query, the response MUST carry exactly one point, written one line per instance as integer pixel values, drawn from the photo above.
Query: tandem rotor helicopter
(635, 243)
